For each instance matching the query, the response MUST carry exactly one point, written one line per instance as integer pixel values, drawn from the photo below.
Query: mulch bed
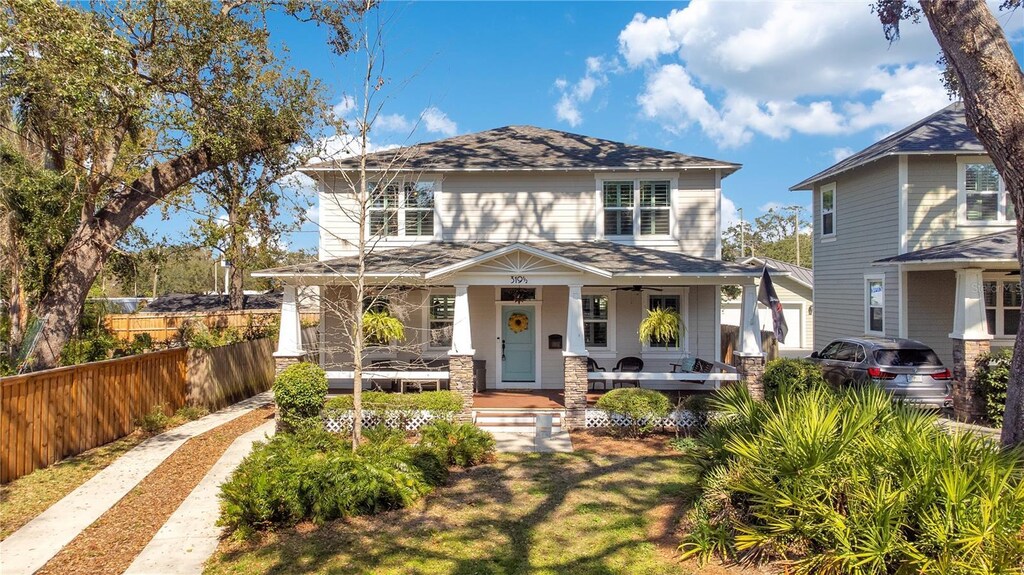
(602, 442)
(111, 543)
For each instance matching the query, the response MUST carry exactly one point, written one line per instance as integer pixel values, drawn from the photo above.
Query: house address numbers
(519, 280)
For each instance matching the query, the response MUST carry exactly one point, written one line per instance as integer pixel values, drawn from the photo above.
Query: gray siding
(867, 229)
(930, 296)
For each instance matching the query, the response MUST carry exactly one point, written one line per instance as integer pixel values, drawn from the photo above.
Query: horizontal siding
(930, 299)
(527, 206)
(867, 229)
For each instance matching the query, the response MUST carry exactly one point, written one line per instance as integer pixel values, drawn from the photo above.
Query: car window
(906, 357)
(847, 352)
(858, 354)
(830, 350)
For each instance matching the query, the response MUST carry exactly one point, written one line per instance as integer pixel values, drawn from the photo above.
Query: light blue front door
(518, 340)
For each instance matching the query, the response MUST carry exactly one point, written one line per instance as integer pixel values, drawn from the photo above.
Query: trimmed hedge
(791, 375)
(642, 407)
(993, 373)
(443, 404)
(299, 391)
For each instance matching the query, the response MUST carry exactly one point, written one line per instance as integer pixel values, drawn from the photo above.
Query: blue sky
(784, 88)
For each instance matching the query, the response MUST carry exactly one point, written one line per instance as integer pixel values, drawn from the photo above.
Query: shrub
(155, 421)
(993, 373)
(462, 444)
(191, 412)
(790, 376)
(849, 482)
(640, 407)
(299, 391)
(443, 404)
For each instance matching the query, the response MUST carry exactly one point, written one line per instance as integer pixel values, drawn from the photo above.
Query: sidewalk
(979, 430)
(39, 540)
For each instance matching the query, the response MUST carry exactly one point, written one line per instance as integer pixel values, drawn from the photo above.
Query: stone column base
(460, 380)
(751, 368)
(575, 370)
(283, 361)
(968, 405)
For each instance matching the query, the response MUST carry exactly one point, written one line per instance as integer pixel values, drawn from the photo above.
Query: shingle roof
(177, 302)
(800, 274)
(524, 148)
(943, 131)
(616, 259)
(997, 246)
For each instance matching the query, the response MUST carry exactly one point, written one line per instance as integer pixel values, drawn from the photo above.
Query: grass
(585, 512)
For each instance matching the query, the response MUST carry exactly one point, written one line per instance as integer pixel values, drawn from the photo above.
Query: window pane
(419, 222)
(595, 334)
(654, 221)
(1011, 319)
(618, 194)
(618, 222)
(419, 195)
(595, 307)
(654, 194)
(442, 307)
(827, 226)
(875, 323)
(982, 178)
(899, 357)
(440, 334)
(1011, 294)
(982, 206)
(386, 197)
(989, 289)
(1011, 212)
(663, 302)
(876, 294)
(828, 200)
(990, 320)
(384, 222)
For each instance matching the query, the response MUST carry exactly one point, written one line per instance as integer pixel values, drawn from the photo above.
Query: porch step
(518, 421)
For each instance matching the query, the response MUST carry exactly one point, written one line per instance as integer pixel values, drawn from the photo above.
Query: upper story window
(637, 207)
(828, 211)
(1002, 306)
(402, 209)
(981, 196)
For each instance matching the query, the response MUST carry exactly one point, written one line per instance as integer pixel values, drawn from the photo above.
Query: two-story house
(515, 255)
(914, 237)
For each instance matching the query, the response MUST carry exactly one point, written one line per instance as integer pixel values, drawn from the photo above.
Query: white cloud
(739, 70)
(842, 153)
(346, 105)
(767, 206)
(438, 122)
(730, 215)
(567, 109)
(392, 123)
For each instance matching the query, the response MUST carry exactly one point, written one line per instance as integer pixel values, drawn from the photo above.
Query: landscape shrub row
(993, 373)
(443, 404)
(640, 408)
(851, 482)
(786, 375)
(315, 475)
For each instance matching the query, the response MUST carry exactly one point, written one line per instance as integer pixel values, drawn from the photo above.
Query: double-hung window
(655, 205)
(618, 208)
(595, 321)
(636, 207)
(1002, 306)
(442, 318)
(874, 304)
(982, 197)
(402, 209)
(666, 302)
(828, 211)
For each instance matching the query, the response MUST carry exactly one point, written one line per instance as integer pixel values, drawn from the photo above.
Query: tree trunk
(236, 293)
(234, 258)
(88, 248)
(992, 87)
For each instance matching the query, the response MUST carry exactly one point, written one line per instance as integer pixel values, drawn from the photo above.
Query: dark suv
(907, 369)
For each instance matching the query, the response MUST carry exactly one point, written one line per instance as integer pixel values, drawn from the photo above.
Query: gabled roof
(799, 274)
(524, 148)
(990, 247)
(603, 258)
(945, 131)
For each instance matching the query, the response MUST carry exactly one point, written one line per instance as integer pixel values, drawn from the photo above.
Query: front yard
(611, 507)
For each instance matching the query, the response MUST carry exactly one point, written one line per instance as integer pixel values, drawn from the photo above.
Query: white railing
(679, 419)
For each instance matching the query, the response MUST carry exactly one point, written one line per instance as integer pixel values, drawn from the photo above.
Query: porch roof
(997, 247)
(602, 258)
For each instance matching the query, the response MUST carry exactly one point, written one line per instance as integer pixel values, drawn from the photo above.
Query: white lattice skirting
(682, 419)
(409, 420)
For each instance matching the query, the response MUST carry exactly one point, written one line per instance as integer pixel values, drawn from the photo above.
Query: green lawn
(585, 512)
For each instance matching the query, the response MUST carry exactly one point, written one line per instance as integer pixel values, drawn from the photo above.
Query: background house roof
(524, 148)
(182, 303)
(799, 274)
(942, 132)
(617, 259)
(997, 246)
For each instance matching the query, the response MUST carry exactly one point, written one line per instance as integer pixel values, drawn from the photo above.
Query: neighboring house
(527, 251)
(914, 237)
(796, 292)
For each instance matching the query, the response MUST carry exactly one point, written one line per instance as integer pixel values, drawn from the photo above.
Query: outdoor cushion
(702, 366)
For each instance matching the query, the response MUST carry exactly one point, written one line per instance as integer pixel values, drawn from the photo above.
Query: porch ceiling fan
(636, 288)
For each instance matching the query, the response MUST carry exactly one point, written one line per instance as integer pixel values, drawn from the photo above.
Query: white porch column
(575, 344)
(969, 307)
(289, 339)
(462, 337)
(750, 326)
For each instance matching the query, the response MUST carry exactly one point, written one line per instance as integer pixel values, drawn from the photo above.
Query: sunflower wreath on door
(518, 322)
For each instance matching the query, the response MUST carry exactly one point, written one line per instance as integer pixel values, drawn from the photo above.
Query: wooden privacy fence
(164, 327)
(49, 415)
(731, 338)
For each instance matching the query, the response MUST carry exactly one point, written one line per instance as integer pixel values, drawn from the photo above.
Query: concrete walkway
(979, 430)
(29, 548)
(539, 442)
(191, 534)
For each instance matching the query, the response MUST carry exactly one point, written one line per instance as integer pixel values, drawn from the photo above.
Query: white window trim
(401, 235)
(673, 189)
(868, 279)
(999, 277)
(961, 196)
(647, 351)
(425, 344)
(610, 294)
(830, 187)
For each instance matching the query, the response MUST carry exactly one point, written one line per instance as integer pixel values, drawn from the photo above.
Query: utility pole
(743, 235)
(796, 229)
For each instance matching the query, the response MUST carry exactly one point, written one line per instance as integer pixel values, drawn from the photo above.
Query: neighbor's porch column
(750, 356)
(970, 340)
(289, 336)
(575, 361)
(460, 357)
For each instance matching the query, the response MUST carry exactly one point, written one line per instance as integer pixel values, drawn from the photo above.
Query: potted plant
(661, 325)
(380, 327)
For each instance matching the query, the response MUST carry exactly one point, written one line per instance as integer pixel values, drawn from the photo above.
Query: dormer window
(402, 210)
(981, 196)
(636, 207)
